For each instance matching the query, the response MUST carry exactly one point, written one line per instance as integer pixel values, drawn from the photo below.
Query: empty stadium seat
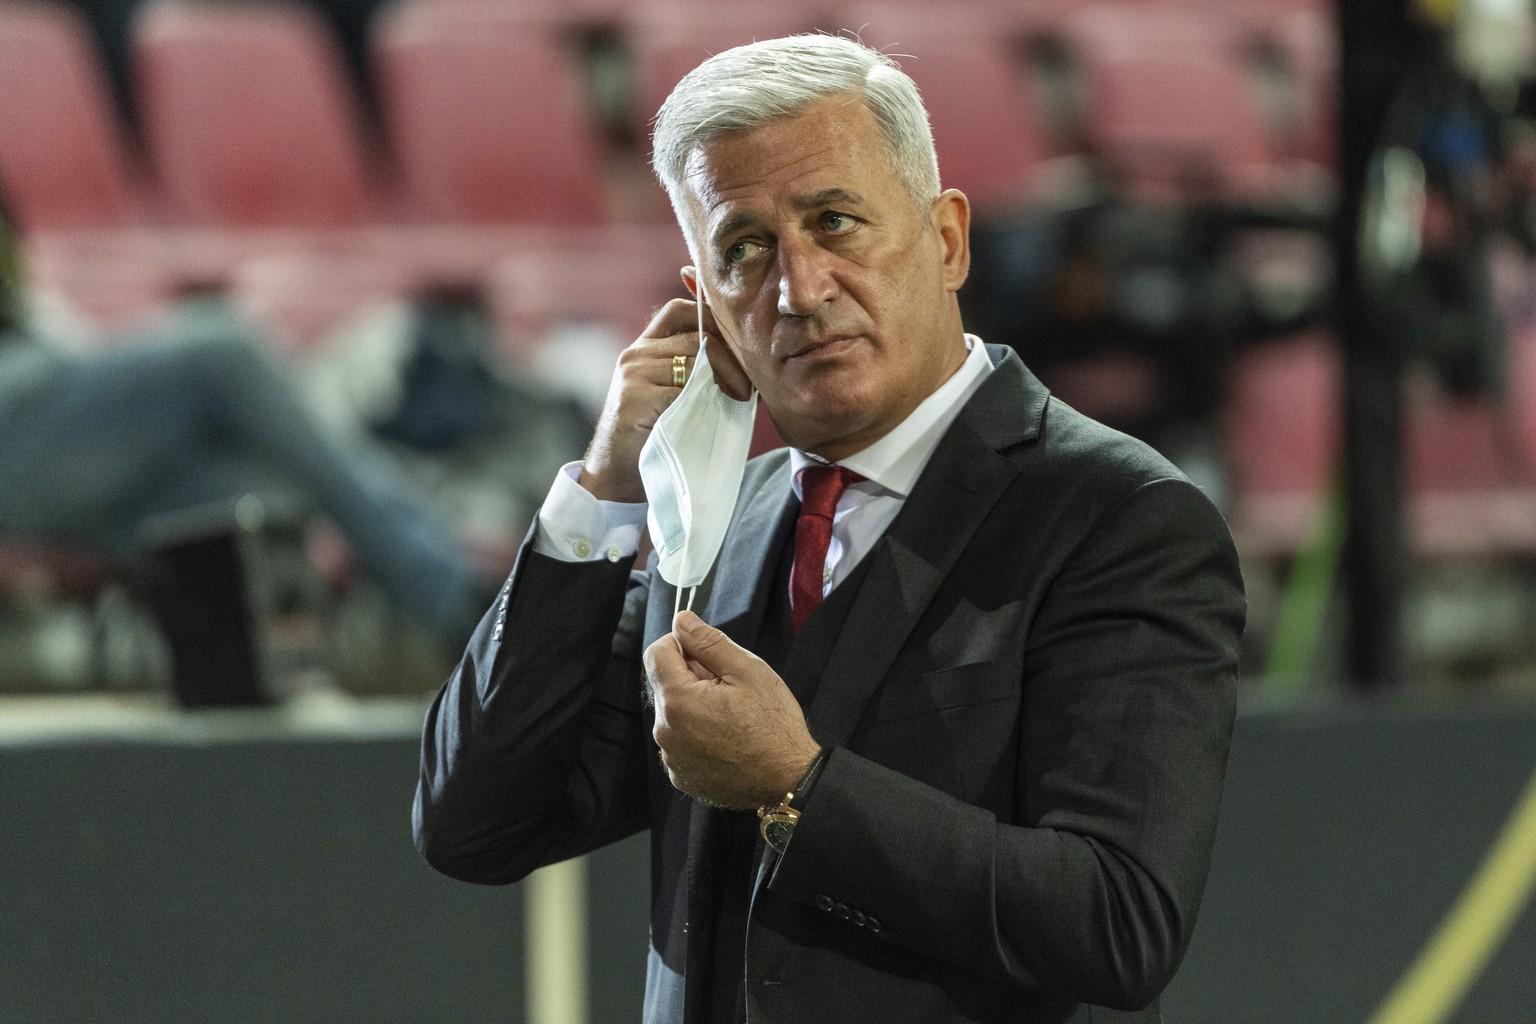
(1471, 473)
(248, 116)
(1282, 428)
(489, 117)
(111, 282)
(1469, 467)
(1308, 40)
(615, 278)
(1166, 105)
(63, 164)
(1254, 13)
(301, 298)
(968, 65)
(668, 39)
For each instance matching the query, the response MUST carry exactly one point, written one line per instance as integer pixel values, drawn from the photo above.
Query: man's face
(833, 291)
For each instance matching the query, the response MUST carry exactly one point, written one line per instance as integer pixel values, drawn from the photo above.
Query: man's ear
(951, 218)
(729, 373)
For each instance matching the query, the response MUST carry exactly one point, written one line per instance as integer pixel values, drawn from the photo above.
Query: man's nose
(806, 282)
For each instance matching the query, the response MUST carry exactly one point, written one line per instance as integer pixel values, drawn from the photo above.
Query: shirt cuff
(575, 526)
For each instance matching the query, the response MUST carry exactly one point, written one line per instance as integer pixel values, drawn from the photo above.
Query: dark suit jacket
(1029, 705)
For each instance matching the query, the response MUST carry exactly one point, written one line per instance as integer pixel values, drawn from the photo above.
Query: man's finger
(715, 652)
(728, 372)
(678, 316)
(664, 663)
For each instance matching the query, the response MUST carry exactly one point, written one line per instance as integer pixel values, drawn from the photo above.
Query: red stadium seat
(968, 65)
(1308, 41)
(1167, 106)
(302, 298)
(1282, 434)
(110, 281)
(1469, 466)
(62, 160)
(248, 116)
(614, 277)
(1522, 397)
(669, 38)
(489, 117)
(1471, 470)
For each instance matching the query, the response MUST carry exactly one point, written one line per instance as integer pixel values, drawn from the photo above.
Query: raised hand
(643, 387)
(730, 731)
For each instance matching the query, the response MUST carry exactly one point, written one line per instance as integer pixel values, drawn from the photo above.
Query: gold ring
(679, 371)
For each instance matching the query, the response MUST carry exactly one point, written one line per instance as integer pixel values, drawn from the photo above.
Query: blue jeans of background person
(91, 444)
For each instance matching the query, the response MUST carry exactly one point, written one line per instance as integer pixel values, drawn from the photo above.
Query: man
(193, 412)
(1004, 727)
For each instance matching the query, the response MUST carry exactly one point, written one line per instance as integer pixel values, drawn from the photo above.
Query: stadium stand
(68, 176)
(63, 159)
(987, 122)
(248, 117)
(537, 290)
(667, 38)
(301, 298)
(513, 161)
(488, 116)
(1166, 106)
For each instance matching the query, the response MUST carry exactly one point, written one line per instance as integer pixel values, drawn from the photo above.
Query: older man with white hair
(944, 734)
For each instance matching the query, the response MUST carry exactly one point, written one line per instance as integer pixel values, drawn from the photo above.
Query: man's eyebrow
(732, 224)
(834, 196)
(827, 197)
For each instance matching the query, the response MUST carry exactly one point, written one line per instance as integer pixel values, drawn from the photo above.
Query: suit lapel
(962, 481)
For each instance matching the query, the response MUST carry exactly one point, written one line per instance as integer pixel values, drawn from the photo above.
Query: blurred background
(1287, 242)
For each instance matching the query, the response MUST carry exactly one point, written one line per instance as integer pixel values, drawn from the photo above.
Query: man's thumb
(705, 644)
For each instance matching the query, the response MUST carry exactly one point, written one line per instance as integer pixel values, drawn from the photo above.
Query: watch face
(777, 832)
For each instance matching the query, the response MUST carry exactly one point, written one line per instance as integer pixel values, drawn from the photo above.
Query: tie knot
(821, 486)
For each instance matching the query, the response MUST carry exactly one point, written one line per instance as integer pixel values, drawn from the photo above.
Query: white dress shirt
(575, 526)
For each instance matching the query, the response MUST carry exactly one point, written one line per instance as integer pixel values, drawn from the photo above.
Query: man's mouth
(825, 346)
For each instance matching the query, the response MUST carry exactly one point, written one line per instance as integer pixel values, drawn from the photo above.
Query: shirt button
(872, 923)
(823, 902)
(841, 911)
(614, 554)
(859, 918)
(582, 547)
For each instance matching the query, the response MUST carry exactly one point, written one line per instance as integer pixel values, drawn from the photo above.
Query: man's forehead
(837, 130)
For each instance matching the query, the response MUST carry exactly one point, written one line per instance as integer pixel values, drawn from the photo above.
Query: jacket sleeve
(534, 750)
(1089, 886)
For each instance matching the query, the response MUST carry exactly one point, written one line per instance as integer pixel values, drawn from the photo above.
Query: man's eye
(741, 252)
(836, 221)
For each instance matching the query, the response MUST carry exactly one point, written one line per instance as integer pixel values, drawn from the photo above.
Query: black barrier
(230, 867)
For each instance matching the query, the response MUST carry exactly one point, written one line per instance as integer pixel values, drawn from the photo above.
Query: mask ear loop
(698, 306)
(677, 597)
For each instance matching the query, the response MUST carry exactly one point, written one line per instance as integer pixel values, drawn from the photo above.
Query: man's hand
(730, 732)
(642, 389)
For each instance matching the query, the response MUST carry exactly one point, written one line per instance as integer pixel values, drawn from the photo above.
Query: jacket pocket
(945, 689)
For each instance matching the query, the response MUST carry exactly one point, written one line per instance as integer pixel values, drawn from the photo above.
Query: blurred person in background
(427, 377)
(193, 411)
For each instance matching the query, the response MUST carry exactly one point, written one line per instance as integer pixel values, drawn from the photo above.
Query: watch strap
(776, 822)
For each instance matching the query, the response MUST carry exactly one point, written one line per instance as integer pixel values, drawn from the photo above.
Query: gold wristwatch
(778, 822)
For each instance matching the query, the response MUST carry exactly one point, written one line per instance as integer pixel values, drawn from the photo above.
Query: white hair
(758, 84)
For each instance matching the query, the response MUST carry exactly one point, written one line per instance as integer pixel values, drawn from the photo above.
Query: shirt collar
(895, 461)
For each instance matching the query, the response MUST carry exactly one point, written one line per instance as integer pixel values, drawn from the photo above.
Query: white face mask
(691, 467)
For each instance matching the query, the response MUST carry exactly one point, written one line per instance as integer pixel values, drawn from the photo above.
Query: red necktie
(820, 487)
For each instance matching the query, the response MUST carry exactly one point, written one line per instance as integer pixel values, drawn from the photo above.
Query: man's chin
(830, 429)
